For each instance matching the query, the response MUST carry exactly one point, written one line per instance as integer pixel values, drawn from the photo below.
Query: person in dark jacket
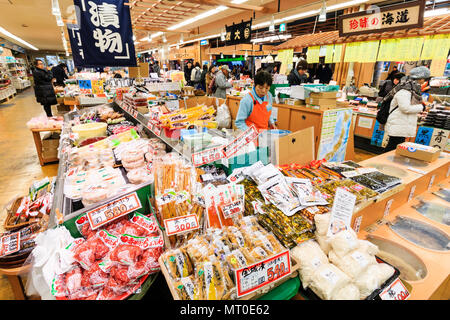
(298, 75)
(203, 81)
(388, 85)
(43, 87)
(187, 73)
(392, 74)
(60, 74)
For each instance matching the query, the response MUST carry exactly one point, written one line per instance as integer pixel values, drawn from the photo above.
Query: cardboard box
(297, 147)
(325, 95)
(50, 141)
(323, 102)
(418, 151)
(49, 153)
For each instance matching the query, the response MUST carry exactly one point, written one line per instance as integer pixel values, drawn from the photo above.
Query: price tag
(431, 181)
(232, 209)
(387, 208)
(248, 136)
(255, 276)
(236, 176)
(395, 291)
(342, 211)
(181, 224)
(9, 244)
(113, 210)
(411, 193)
(357, 224)
(207, 156)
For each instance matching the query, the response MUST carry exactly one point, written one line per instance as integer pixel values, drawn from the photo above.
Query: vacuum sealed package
(213, 280)
(306, 193)
(353, 263)
(278, 193)
(374, 185)
(328, 280)
(177, 263)
(189, 288)
(349, 292)
(310, 257)
(265, 173)
(389, 181)
(344, 242)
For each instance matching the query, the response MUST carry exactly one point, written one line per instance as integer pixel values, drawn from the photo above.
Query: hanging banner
(238, 33)
(402, 16)
(76, 45)
(436, 47)
(286, 58)
(329, 54)
(106, 34)
(312, 55)
(337, 53)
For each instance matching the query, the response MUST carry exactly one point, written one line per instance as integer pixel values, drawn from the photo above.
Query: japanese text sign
(113, 210)
(255, 276)
(105, 33)
(238, 33)
(402, 16)
(9, 244)
(395, 291)
(181, 224)
(76, 45)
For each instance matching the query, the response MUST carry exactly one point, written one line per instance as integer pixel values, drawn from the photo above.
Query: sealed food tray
(9, 221)
(309, 294)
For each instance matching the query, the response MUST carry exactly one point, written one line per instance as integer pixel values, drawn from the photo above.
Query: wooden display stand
(38, 143)
(14, 279)
(295, 118)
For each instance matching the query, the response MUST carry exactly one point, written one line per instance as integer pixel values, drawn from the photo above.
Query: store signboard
(238, 33)
(105, 33)
(252, 277)
(391, 18)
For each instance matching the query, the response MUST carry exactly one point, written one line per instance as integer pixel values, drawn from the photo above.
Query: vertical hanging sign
(76, 44)
(106, 34)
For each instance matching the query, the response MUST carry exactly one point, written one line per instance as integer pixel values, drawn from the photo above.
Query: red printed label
(9, 244)
(395, 291)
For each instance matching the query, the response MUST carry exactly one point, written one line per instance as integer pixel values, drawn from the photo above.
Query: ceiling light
(323, 13)
(272, 38)
(199, 17)
(9, 34)
(164, 38)
(134, 37)
(272, 25)
(436, 12)
(221, 55)
(178, 46)
(181, 38)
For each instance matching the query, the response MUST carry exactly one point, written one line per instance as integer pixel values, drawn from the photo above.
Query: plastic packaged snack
(322, 223)
(188, 288)
(239, 258)
(324, 242)
(344, 242)
(367, 246)
(214, 280)
(177, 263)
(349, 292)
(277, 191)
(327, 280)
(368, 281)
(353, 263)
(310, 257)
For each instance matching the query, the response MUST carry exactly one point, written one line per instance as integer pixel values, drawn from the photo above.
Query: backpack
(383, 113)
(196, 76)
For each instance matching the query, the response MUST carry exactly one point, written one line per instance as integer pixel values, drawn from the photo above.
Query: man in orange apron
(256, 107)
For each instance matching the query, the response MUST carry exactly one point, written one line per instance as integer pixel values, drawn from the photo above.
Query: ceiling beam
(241, 6)
(159, 29)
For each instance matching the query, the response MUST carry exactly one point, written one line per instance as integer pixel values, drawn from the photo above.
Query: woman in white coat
(406, 104)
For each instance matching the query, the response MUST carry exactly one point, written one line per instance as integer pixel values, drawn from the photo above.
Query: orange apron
(260, 116)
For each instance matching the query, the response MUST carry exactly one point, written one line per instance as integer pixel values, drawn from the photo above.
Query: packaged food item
(368, 247)
(349, 292)
(177, 263)
(322, 223)
(344, 242)
(353, 263)
(278, 193)
(328, 280)
(310, 256)
(306, 193)
(239, 258)
(188, 288)
(324, 242)
(368, 281)
(212, 280)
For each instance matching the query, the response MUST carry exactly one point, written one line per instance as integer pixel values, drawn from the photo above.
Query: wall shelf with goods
(17, 68)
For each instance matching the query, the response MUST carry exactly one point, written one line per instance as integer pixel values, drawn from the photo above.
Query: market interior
(149, 146)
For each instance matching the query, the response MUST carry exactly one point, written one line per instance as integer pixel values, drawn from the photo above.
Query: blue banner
(377, 135)
(424, 135)
(105, 32)
(75, 43)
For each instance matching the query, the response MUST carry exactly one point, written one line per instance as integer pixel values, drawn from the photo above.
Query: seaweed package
(188, 288)
(214, 280)
(388, 180)
(374, 185)
(177, 263)
(277, 191)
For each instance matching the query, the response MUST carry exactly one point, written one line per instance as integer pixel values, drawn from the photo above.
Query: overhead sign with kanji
(403, 16)
(75, 43)
(238, 33)
(105, 33)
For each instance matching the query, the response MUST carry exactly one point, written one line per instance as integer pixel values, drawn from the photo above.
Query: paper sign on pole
(342, 211)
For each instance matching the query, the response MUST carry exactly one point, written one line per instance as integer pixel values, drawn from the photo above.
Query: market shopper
(405, 106)
(298, 75)
(187, 73)
(203, 77)
(392, 74)
(388, 85)
(196, 76)
(256, 106)
(221, 82)
(43, 87)
(209, 80)
(59, 72)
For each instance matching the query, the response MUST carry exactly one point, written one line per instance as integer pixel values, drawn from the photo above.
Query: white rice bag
(343, 242)
(353, 263)
(368, 247)
(322, 221)
(368, 281)
(324, 242)
(385, 271)
(327, 280)
(310, 257)
(349, 292)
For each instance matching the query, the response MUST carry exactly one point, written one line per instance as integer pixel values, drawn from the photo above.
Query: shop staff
(406, 104)
(256, 107)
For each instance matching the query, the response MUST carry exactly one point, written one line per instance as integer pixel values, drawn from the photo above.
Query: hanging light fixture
(272, 25)
(222, 35)
(323, 13)
(269, 59)
(164, 38)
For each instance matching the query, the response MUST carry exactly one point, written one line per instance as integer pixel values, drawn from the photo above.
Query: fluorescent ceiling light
(323, 13)
(199, 17)
(9, 34)
(152, 36)
(436, 12)
(272, 38)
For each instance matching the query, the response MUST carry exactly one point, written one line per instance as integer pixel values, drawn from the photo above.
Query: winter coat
(295, 79)
(194, 74)
(222, 85)
(60, 75)
(43, 88)
(402, 122)
(386, 88)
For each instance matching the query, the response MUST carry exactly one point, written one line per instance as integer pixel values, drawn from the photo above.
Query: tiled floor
(19, 163)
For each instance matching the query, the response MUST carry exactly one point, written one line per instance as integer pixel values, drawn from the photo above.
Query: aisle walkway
(19, 163)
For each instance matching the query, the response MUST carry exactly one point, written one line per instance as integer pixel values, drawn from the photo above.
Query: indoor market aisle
(19, 163)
